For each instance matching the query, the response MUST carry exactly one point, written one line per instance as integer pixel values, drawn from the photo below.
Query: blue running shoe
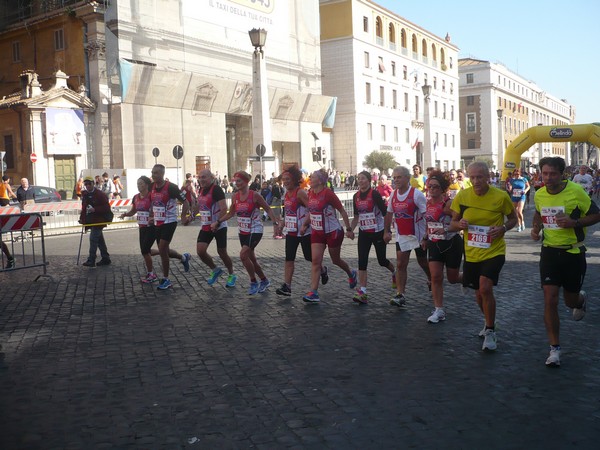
(353, 281)
(253, 288)
(185, 260)
(214, 276)
(264, 284)
(231, 279)
(312, 297)
(165, 284)
(324, 276)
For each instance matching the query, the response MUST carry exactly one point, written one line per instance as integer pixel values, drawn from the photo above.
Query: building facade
(497, 105)
(376, 63)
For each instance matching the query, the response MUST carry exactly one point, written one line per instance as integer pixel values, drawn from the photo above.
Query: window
(393, 69)
(403, 38)
(451, 88)
(435, 82)
(365, 24)
(450, 59)
(383, 132)
(443, 111)
(9, 158)
(392, 33)
(368, 93)
(471, 143)
(445, 140)
(16, 48)
(370, 131)
(471, 123)
(407, 135)
(59, 40)
(367, 62)
(443, 85)
(451, 112)
(406, 101)
(379, 27)
(405, 72)
(381, 66)
(469, 78)
(470, 100)
(394, 99)
(453, 141)
(381, 96)
(396, 135)
(435, 108)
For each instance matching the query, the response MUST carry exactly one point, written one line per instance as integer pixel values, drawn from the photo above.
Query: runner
(326, 232)
(164, 196)
(585, 180)
(369, 213)
(406, 208)
(480, 211)
(212, 206)
(142, 208)
(444, 247)
(295, 204)
(563, 210)
(518, 187)
(246, 206)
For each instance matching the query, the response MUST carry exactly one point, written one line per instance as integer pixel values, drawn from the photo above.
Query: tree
(380, 160)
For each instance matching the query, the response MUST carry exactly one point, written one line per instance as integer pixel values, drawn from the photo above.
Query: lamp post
(427, 146)
(500, 113)
(261, 120)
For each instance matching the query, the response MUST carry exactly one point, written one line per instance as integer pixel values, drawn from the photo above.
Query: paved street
(94, 359)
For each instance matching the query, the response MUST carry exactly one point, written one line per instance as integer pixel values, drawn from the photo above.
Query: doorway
(64, 171)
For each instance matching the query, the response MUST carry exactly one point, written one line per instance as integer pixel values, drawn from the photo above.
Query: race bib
(316, 222)
(549, 216)
(205, 217)
(435, 230)
(244, 224)
(367, 221)
(291, 224)
(160, 213)
(517, 192)
(143, 218)
(479, 236)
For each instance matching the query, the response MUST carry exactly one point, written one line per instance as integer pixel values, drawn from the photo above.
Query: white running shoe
(579, 313)
(554, 357)
(437, 315)
(489, 340)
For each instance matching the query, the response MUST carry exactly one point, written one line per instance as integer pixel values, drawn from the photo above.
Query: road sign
(258, 158)
(178, 152)
(33, 157)
(155, 152)
(261, 150)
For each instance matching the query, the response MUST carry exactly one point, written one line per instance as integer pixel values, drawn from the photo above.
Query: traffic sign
(33, 157)
(264, 158)
(261, 150)
(178, 152)
(155, 152)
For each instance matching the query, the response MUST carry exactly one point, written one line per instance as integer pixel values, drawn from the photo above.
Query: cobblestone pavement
(94, 359)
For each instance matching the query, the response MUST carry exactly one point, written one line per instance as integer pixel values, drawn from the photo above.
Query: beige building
(376, 63)
(496, 105)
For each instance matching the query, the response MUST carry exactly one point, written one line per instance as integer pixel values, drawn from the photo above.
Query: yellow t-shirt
(418, 183)
(574, 202)
(482, 212)
(3, 190)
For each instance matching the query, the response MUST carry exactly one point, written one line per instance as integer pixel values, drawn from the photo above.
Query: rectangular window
(393, 69)
(396, 135)
(394, 99)
(435, 82)
(16, 51)
(443, 85)
(405, 72)
(59, 39)
(451, 112)
(469, 78)
(365, 24)
(368, 93)
(444, 111)
(367, 62)
(470, 100)
(451, 88)
(381, 96)
(383, 133)
(471, 123)
(406, 101)
(471, 143)
(381, 66)
(435, 109)
(9, 158)
(370, 131)
(453, 141)
(445, 140)
(407, 135)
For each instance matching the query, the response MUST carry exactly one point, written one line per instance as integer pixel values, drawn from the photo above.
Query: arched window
(442, 56)
(378, 27)
(392, 33)
(433, 52)
(424, 47)
(415, 46)
(403, 38)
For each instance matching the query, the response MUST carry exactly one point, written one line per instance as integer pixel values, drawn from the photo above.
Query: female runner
(517, 187)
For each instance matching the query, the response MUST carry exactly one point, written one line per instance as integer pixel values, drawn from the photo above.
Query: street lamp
(500, 113)
(427, 147)
(261, 120)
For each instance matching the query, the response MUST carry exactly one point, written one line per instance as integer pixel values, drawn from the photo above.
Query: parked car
(43, 194)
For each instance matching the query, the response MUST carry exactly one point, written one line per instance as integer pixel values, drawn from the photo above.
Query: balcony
(17, 10)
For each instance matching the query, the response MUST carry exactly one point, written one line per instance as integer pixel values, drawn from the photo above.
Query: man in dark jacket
(94, 210)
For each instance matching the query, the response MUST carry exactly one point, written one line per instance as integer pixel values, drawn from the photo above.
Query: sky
(554, 44)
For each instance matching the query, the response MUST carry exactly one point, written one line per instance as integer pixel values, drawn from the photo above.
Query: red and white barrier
(59, 206)
(120, 202)
(22, 222)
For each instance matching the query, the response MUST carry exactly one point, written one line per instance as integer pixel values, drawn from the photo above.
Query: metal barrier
(20, 232)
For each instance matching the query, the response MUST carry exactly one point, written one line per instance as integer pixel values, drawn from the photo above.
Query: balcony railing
(17, 11)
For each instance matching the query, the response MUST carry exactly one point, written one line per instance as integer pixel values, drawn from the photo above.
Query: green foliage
(380, 160)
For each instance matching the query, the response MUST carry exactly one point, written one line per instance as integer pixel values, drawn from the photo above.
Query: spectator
(384, 189)
(25, 194)
(107, 186)
(94, 209)
(118, 187)
(6, 192)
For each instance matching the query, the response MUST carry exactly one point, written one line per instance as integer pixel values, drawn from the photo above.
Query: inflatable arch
(573, 133)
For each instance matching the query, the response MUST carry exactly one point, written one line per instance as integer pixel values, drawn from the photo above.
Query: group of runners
(444, 221)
